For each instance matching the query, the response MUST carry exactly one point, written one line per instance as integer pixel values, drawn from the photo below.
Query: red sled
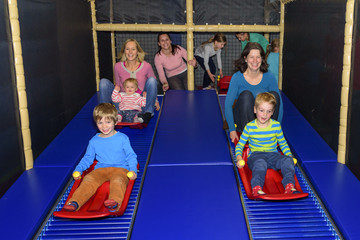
(135, 125)
(94, 207)
(224, 84)
(273, 187)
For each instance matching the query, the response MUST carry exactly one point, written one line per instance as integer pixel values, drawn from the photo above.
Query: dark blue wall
(353, 159)
(313, 61)
(58, 57)
(11, 156)
(58, 63)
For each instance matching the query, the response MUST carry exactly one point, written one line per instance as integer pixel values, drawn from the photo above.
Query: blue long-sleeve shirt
(238, 84)
(114, 151)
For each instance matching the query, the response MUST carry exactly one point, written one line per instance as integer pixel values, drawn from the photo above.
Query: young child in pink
(130, 102)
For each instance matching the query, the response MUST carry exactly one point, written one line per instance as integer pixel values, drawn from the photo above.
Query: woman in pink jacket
(170, 63)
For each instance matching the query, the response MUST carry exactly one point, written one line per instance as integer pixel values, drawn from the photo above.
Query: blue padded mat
(190, 202)
(31, 197)
(88, 108)
(339, 189)
(68, 147)
(306, 143)
(190, 125)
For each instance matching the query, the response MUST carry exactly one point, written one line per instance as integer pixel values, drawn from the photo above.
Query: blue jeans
(207, 80)
(259, 162)
(106, 87)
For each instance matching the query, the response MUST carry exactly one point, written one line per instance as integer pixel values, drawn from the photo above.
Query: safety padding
(28, 201)
(190, 123)
(69, 146)
(339, 190)
(190, 202)
(88, 108)
(303, 140)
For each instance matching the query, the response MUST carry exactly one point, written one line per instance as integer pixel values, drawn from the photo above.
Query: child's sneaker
(289, 188)
(112, 205)
(257, 190)
(71, 206)
(138, 119)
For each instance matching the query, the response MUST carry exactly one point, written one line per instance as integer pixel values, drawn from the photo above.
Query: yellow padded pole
(190, 43)
(20, 83)
(282, 29)
(112, 36)
(184, 28)
(95, 42)
(344, 108)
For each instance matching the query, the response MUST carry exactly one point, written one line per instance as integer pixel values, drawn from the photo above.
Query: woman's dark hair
(174, 47)
(241, 64)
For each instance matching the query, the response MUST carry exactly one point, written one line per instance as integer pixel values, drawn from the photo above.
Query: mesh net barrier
(210, 12)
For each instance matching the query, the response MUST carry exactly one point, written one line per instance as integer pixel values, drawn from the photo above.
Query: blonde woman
(133, 65)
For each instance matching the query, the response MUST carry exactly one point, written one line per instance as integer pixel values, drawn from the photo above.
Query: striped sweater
(128, 102)
(263, 139)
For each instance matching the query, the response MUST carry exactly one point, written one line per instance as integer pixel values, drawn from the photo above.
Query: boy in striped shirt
(130, 102)
(263, 135)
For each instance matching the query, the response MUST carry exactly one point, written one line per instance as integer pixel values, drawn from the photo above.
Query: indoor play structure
(188, 186)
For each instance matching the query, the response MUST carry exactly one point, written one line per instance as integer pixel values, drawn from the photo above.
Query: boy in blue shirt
(115, 158)
(263, 135)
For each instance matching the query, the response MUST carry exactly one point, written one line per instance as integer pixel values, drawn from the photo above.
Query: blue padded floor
(69, 146)
(190, 130)
(306, 142)
(28, 201)
(111, 227)
(190, 189)
(190, 202)
(339, 189)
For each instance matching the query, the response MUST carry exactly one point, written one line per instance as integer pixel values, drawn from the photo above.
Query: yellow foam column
(344, 108)
(282, 29)
(95, 42)
(20, 83)
(112, 36)
(190, 43)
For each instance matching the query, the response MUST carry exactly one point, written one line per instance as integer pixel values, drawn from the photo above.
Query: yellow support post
(20, 83)
(113, 48)
(282, 28)
(344, 108)
(95, 42)
(190, 43)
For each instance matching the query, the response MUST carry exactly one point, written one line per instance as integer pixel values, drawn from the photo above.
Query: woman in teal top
(245, 37)
(251, 79)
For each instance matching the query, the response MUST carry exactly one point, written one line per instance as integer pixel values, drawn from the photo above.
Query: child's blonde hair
(265, 97)
(105, 110)
(131, 80)
(219, 37)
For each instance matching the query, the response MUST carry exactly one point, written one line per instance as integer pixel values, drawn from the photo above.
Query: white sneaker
(138, 120)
